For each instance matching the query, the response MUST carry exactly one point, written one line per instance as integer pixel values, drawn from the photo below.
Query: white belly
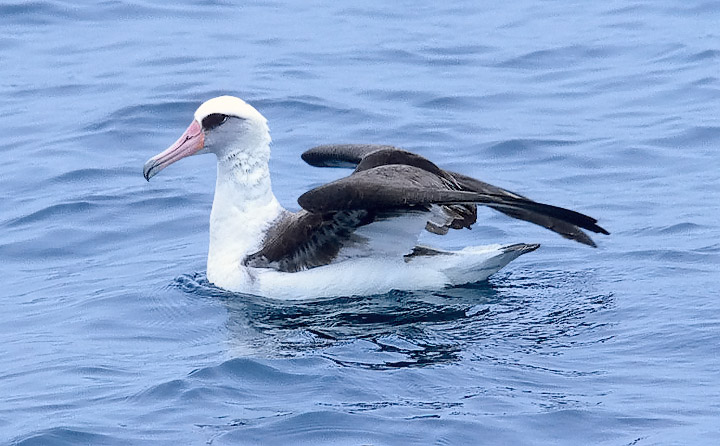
(375, 275)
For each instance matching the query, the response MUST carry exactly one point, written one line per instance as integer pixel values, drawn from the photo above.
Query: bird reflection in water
(518, 316)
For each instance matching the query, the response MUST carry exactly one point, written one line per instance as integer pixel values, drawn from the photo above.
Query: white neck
(243, 208)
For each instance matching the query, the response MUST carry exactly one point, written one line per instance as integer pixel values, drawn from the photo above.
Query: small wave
(708, 136)
(88, 175)
(67, 436)
(666, 257)
(566, 56)
(519, 146)
(694, 9)
(249, 372)
(236, 380)
(680, 228)
(710, 249)
(397, 55)
(144, 117)
(38, 12)
(457, 50)
(704, 56)
(454, 103)
(348, 426)
(56, 211)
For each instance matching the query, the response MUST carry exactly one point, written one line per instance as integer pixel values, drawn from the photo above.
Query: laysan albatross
(354, 236)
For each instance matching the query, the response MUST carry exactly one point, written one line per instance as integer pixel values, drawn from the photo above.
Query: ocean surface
(110, 333)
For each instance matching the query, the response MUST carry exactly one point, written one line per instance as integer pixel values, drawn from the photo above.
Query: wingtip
(587, 240)
(307, 157)
(523, 248)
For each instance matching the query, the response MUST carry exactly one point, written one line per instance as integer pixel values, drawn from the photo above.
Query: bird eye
(213, 120)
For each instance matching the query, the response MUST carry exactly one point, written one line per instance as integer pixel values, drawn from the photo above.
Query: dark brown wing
(303, 240)
(368, 156)
(340, 155)
(388, 183)
(562, 227)
(460, 215)
(397, 186)
(385, 187)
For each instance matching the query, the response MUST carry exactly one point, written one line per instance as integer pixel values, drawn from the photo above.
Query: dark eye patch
(209, 122)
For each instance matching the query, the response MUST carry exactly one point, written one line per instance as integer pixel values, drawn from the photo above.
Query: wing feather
(368, 156)
(304, 240)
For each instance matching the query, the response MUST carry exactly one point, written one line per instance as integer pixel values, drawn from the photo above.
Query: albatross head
(226, 126)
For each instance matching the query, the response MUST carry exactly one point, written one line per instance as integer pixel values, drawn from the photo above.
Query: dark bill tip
(150, 168)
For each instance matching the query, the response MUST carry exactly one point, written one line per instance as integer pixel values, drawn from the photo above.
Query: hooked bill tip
(149, 169)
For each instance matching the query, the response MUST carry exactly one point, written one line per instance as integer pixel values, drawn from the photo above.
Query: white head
(225, 126)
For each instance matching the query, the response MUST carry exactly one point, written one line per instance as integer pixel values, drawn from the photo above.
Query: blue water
(110, 333)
